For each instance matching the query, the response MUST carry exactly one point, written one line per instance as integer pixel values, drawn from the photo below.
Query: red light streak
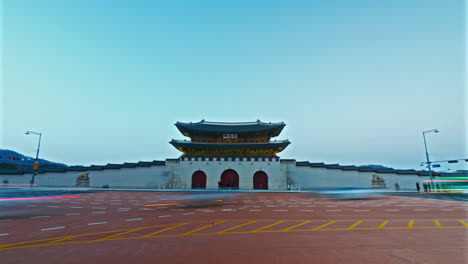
(38, 198)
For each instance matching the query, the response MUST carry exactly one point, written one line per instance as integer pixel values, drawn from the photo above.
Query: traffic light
(35, 172)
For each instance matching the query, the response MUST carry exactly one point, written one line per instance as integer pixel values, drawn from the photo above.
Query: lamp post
(427, 153)
(36, 164)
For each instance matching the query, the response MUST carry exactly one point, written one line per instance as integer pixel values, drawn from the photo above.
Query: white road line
(164, 215)
(188, 213)
(74, 214)
(42, 216)
(98, 223)
(123, 208)
(5, 234)
(53, 206)
(134, 219)
(5, 219)
(99, 208)
(447, 209)
(208, 211)
(100, 212)
(52, 228)
(280, 210)
(229, 210)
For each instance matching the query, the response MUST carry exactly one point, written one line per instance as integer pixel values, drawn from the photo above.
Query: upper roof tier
(190, 129)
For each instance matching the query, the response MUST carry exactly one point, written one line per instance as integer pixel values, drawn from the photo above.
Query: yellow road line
(265, 227)
(201, 228)
(121, 233)
(294, 226)
(113, 235)
(322, 226)
(164, 230)
(465, 224)
(382, 225)
(234, 227)
(355, 224)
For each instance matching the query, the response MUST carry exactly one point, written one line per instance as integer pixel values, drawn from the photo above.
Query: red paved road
(111, 211)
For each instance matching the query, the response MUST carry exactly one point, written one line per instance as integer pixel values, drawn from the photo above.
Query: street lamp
(36, 164)
(427, 154)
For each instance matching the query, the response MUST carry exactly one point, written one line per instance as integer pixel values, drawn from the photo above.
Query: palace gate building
(216, 155)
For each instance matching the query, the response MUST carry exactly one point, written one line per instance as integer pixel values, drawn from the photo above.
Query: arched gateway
(260, 180)
(198, 180)
(228, 145)
(229, 178)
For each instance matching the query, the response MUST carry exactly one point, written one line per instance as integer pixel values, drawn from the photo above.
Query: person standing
(417, 186)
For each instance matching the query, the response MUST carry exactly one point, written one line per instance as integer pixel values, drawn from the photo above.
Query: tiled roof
(230, 127)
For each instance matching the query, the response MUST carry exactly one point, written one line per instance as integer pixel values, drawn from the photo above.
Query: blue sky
(356, 82)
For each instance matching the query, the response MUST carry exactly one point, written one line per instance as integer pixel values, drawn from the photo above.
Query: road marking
(354, 225)
(74, 214)
(203, 227)
(99, 208)
(76, 207)
(188, 213)
(164, 215)
(5, 219)
(234, 227)
(447, 209)
(5, 234)
(294, 226)
(411, 224)
(265, 227)
(437, 223)
(280, 210)
(100, 212)
(382, 225)
(134, 219)
(52, 228)
(123, 208)
(166, 229)
(322, 226)
(42, 216)
(98, 223)
(53, 206)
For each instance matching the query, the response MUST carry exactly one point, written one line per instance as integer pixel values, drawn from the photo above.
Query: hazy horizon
(356, 83)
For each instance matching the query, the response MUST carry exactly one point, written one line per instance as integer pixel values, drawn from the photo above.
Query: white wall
(178, 174)
(184, 170)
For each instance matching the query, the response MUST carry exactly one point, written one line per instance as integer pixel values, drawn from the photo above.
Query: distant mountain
(19, 160)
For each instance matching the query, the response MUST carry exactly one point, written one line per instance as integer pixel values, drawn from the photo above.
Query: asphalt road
(117, 227)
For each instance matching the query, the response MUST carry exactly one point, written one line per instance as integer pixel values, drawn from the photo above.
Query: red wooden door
(199, 180)
(260, 180)
(230, 178)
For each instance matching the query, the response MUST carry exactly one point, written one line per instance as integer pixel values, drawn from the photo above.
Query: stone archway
(199, 180)
(260, 181)
(229, 179)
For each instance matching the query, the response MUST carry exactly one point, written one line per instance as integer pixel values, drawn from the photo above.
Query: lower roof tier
(266, 149)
